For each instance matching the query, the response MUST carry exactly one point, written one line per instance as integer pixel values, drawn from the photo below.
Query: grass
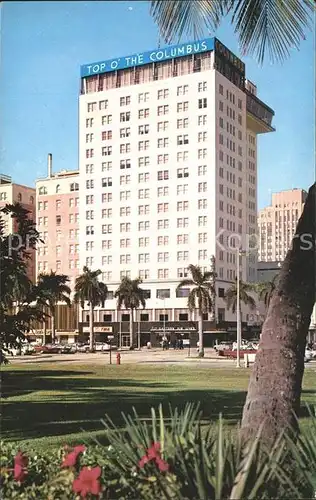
(61, 403)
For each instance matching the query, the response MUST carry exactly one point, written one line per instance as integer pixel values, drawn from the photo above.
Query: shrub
(168, 457)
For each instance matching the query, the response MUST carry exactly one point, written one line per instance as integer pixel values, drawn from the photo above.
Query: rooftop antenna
(50, 165)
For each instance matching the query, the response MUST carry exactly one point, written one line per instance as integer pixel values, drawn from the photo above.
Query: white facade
(168, 178)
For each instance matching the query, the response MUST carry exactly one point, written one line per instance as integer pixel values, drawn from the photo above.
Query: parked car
(222, 346)
(82, 347)
(47, 348)
(68, 349)
(23, 350)
(308, 355)
(103, 346)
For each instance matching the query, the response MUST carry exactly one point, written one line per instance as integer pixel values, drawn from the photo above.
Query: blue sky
(43, 45)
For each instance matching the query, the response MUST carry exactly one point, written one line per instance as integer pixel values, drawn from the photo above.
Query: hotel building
(25, 195)
(277, 224)
(168, 173)
(57, 198)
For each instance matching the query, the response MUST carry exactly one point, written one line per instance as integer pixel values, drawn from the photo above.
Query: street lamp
(239, 253)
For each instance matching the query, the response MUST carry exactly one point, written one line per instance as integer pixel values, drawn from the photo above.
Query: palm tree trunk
(53, 327)
(131, 328)
(91, 328)
(44, 332)
(201, 346)
(275, 385)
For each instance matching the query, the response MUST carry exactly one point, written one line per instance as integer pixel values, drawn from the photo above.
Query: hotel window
(221, 139)
(89, 122)
(163, 110)
(182, 139)
(163, 175)
(106, 135)
(125, 195)
(89, 199)
(182, 90)
(144, 274)
(163, 240)
(125, 258)
(163, 224)
(143, 129)
(239, 119)
(183, 222)
(202, 255)
(106, 197)
(202, 153)
(143, 257)
(143, 194)
(89, 137)
(58, 236)
(182, 206)
(143, 113)
(163, 256)
(202, 86)
(202, 120)
(202, 220)
(202, 238)
(92, 106)
(40, 221)
(239, 103)
(89, 230)
(202, 103)
(89, 215)
(125, 132)
(221, 106)
(182, 106)
(143, 209)
(202, 170)
(89, 153)
(107, 181)
(143, 225)
(162, 159)
(182, 188)
(107, 213)
(183, 123)
(125, 243)
(143, 242)
(182, 272)
(202, 187)
(89, 245)
(163, 293)
(163, 191)
(182, 172)
(58, 265)
(106, 119)
(162, 94)
(162, 207)
(202, 136)
(125, 179)
(125, 101)
(106, 150)
(125, 274)
(163, 142)
(125, 116)
(163, 273)
(58, 220)
(125, 164)
(202, 204)
(143, 145)
(58, 204)
(182, 255)
(143, 177)
(162, 126)
(143, 97)
(106, 259)
(125, 211)
(182, 239)
(89, 168)
(182, 156)
(106, 244)
(143, 161)
(106, 228)
(125, 148)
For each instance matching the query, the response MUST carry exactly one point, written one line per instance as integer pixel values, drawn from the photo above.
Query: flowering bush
(163, 458)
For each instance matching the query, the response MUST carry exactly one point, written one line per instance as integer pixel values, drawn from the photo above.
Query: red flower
(153, 453)
(71, 459)
(20, 464)
(87, 482)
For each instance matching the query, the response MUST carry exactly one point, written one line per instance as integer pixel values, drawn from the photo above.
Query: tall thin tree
(89, 289)
(132, 296)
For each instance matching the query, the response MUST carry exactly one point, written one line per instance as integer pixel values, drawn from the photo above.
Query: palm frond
(185, 282)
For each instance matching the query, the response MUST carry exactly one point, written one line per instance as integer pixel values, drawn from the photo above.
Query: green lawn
(58, 403)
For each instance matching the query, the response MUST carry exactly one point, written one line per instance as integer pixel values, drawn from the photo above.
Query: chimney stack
(50, 165)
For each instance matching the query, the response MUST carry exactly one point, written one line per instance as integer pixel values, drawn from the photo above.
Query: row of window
(74, 186)
(162, 143)
(72, 218)
(4, 196)
(43, 205)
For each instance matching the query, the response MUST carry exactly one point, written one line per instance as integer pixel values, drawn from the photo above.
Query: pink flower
(71, 459)
(20, 464)
(88, 482)
(153, 454)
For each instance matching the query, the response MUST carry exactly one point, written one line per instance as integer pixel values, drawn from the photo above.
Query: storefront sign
(98, 329)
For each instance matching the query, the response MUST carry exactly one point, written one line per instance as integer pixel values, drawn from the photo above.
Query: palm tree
(132, 297)
(202, 295)
(265, 290)
(267, 26)
(244, 297)
(51, 289)
(89, 288)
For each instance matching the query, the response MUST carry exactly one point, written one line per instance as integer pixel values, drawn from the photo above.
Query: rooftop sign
(152, 56)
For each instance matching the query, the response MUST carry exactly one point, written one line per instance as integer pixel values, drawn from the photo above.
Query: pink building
(10, 193)
(58, 222)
